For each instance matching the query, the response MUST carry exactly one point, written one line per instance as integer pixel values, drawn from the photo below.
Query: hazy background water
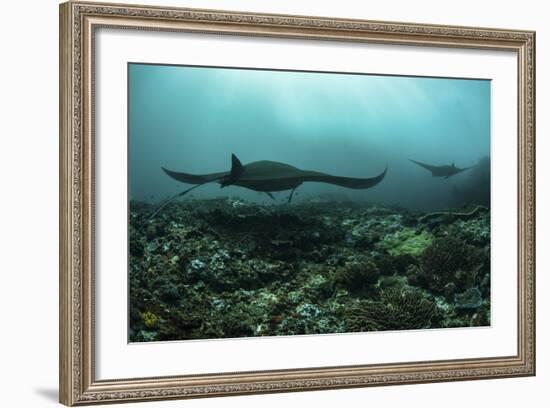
(191, 119)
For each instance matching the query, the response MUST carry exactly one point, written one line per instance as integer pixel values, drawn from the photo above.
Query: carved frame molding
(78, 20)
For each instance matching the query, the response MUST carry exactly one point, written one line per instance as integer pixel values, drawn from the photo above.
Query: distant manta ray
(266, 176)
(442, 171)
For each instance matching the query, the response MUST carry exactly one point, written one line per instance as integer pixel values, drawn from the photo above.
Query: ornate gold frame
(78, 20)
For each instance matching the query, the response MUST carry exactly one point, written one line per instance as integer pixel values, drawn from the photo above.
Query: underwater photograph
(277, 203)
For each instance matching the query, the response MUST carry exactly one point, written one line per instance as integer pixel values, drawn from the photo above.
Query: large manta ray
(267, 176)
(442, 171)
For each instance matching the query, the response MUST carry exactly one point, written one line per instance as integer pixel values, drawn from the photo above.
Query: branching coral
(449, 260)
(396, 310)
(358, 274)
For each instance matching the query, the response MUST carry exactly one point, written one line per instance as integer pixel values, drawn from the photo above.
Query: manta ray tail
(169, 200)
(200, 179)
(194, 178)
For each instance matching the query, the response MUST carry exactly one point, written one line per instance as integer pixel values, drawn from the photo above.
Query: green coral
(406, 241)
(150, 320)
(396, 310)
(368, 230)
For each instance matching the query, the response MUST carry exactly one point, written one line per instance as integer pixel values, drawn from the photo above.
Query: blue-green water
(191, 119)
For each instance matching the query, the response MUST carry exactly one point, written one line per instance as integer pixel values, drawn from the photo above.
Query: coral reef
(470, 299)
(406, 241)
(229, 268)
(396, 310)
(358, 274)
(449, 260)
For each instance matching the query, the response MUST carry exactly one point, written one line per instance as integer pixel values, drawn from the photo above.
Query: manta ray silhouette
(266, 176)
(442, 171)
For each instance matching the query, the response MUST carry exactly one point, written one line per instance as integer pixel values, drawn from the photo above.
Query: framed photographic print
(262, 203)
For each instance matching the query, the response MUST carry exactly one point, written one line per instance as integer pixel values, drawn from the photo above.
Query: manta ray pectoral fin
(424, 165)
(461, 170)
(194, 178)
(348, 182)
